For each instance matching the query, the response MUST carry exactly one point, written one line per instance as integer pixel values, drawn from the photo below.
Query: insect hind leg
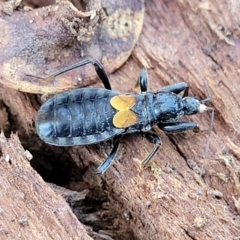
(101, 73)
(107, 163)
(97, 65)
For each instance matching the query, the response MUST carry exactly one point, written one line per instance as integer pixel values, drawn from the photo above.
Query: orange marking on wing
(124, 119)
(123, 102)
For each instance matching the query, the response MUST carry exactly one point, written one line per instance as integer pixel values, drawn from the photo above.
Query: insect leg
(143, 80)
(98, 67)
(178, 127)
(153, 138)
(177, 88)
(106, 164)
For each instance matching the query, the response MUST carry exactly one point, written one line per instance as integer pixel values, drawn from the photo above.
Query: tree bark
(185, 193)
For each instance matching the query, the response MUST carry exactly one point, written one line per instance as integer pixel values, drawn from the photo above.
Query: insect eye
(190, 105)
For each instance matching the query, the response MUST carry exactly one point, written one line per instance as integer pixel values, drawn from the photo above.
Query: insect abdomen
(77, 117)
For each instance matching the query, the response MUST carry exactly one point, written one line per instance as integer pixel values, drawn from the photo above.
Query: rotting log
(49, 38)
(181, 195)
(29, 208)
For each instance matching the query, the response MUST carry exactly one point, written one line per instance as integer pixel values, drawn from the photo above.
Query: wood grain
(182, 195)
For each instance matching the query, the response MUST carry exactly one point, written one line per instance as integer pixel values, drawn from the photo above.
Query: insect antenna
(208, 99)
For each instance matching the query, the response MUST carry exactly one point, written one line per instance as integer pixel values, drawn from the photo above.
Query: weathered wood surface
(182, 195)
(48, 38)
(29, 208)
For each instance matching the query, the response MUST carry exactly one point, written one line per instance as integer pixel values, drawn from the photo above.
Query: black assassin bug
(92, 115)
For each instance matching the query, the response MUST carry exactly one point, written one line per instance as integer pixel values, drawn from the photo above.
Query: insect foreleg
(177, 88)
(177, 127)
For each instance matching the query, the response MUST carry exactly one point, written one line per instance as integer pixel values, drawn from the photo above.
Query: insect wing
(124, 119)
(123, 102)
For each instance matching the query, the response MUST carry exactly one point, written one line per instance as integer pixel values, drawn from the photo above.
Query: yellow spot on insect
(124, 119)
(123, 102)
